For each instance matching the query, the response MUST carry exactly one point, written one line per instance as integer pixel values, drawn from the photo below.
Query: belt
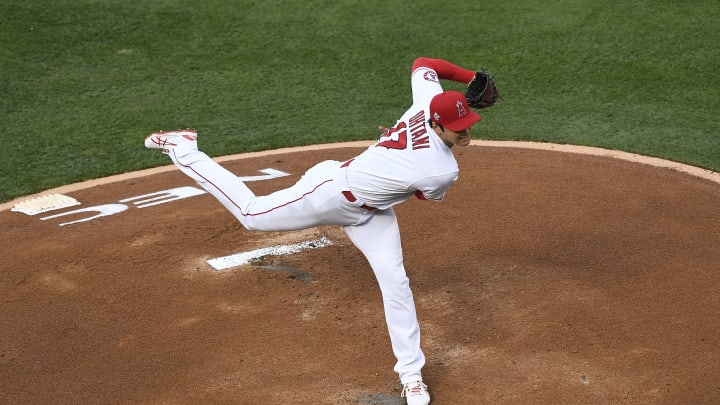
(350, 196)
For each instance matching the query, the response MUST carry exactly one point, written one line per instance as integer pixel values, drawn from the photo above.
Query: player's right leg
(313, 201)
(181, 146)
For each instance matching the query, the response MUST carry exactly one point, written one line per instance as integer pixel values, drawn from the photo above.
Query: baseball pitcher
(412, 159)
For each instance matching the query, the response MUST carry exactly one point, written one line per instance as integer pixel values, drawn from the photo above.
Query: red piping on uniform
(287, 203)
(238, 207)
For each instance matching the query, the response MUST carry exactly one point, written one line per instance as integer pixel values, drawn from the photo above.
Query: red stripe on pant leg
(238, 207)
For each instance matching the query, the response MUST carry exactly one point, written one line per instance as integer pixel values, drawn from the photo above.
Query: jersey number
(395, 138)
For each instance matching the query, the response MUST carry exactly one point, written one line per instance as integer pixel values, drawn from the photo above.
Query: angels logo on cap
(450, 109)
(461, 109)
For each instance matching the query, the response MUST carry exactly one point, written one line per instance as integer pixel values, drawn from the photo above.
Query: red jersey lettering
(418, 131)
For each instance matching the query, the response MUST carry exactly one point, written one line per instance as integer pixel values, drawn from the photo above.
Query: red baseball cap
(450, 109)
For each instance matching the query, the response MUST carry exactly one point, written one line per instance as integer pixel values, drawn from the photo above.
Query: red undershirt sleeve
(445, 69)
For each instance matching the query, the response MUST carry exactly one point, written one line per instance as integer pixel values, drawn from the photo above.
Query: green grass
(84, 81)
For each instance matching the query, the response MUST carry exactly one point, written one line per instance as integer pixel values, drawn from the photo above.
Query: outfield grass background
(84, 81)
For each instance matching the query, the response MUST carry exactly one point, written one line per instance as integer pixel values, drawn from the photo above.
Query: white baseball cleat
(416, 393)
(167, 141)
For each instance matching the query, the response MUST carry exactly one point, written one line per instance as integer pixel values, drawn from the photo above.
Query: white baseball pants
(317, 199)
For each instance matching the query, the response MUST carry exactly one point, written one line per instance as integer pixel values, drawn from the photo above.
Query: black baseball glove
(482, 91)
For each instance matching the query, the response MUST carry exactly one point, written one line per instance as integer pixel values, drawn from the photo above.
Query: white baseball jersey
(410, 159)
(359, 194)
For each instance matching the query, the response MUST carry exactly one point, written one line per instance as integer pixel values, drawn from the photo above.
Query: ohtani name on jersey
(418, 131)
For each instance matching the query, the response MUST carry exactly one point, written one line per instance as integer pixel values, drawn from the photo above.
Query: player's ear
(434, 124)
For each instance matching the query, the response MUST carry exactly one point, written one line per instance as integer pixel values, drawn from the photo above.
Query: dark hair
(430, 121)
